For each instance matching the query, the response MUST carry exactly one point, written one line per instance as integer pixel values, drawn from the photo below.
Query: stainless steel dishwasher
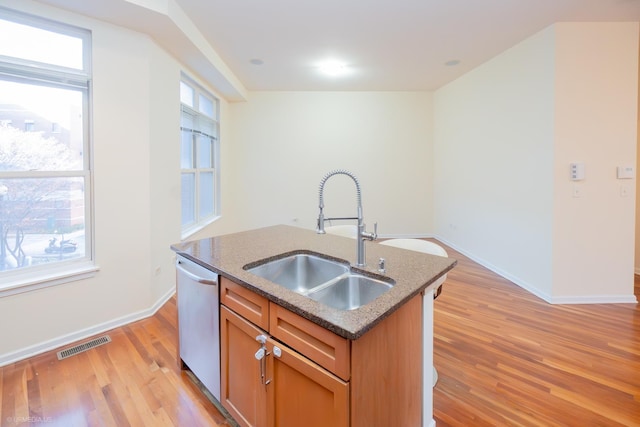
(199, 322)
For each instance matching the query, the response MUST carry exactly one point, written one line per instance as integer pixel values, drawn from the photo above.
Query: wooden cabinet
(241, 391)
(309, 376)
(301, 393)
(282, 388)
(313, 341)
(251, 306)
(386, 377)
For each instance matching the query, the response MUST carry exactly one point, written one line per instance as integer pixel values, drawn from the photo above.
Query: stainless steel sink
(300, 272)
(327, 281)
(351, 291)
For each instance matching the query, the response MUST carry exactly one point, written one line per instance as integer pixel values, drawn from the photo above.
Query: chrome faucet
(362, 233)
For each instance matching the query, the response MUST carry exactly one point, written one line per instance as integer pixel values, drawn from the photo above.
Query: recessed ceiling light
(452, 62)
(256, 61)
(333, 68)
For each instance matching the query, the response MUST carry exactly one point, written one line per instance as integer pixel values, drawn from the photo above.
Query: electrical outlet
(577, 191)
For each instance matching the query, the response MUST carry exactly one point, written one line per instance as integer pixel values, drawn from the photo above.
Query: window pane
(42, 220)
(205, 105)
(186, 94)
(206, 194)
(35, 44)
(188, 198)
(29, 140)
(207, 126)
(205, 153)
(186, 150)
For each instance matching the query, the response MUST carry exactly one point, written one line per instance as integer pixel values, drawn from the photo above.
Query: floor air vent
(72, 351)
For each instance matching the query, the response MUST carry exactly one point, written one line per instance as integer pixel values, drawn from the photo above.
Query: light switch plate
(577, 171)
(625, 172)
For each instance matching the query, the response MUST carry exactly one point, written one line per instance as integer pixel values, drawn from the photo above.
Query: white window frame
(38, 73)
(198, 116)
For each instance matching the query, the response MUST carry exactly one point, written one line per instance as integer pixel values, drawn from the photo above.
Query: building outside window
(199, 157)
(45, 178)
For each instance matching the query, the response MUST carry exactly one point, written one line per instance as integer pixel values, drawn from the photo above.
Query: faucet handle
(367, 235)
(374, 235)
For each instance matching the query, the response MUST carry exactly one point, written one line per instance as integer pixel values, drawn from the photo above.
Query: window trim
(50, 75)
(57, 275)
(56, 27)
(198, 91)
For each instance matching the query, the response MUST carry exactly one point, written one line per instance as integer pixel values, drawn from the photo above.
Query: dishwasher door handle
(198, 279)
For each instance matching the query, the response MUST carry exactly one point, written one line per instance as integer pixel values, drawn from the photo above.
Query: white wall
(136, 191)
(283, 143)
(513, 125)
(164, 169)
(494, 162)
(596, 122)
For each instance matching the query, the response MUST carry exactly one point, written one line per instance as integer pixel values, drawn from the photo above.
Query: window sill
(31, 281)
(187, 232)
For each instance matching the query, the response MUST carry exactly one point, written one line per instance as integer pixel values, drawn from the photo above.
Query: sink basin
(351, 291)
(300, 272)
(327, 281)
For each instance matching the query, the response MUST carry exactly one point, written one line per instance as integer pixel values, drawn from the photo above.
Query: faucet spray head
(320, 227)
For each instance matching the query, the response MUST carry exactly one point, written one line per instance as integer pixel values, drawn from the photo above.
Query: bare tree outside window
(45, 179)
(34, 211)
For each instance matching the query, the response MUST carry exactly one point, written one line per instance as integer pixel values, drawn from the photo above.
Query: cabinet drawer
(248, 304)
(325, 348)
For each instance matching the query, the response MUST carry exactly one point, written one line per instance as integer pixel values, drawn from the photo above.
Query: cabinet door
(243, 393)
(301, 393)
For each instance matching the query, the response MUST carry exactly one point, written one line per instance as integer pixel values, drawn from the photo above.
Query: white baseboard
(430, 423)
(24, 353)
(517, 281)
(591, 299)
(595, 299)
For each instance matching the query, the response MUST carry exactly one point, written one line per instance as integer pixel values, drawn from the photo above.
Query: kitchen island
(370, 358)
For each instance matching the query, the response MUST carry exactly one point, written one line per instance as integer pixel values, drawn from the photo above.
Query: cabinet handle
(198, 279)
(277, 352)
(261, 357)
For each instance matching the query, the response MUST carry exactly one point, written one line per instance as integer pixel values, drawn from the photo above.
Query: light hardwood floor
(504, 358)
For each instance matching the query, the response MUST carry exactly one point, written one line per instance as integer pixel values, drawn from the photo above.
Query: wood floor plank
(564, 365)
(504, 358)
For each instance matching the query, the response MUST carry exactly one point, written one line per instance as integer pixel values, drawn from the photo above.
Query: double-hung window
(199, 157)
(45, 175)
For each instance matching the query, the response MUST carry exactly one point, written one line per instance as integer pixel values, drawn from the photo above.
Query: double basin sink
(333, 283)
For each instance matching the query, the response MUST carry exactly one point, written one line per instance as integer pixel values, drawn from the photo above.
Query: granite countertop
(227, 254)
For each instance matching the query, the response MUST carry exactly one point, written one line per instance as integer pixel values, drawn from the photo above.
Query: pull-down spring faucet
(362, 233)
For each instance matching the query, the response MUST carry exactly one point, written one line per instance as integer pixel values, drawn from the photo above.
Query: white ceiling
(387, 44)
